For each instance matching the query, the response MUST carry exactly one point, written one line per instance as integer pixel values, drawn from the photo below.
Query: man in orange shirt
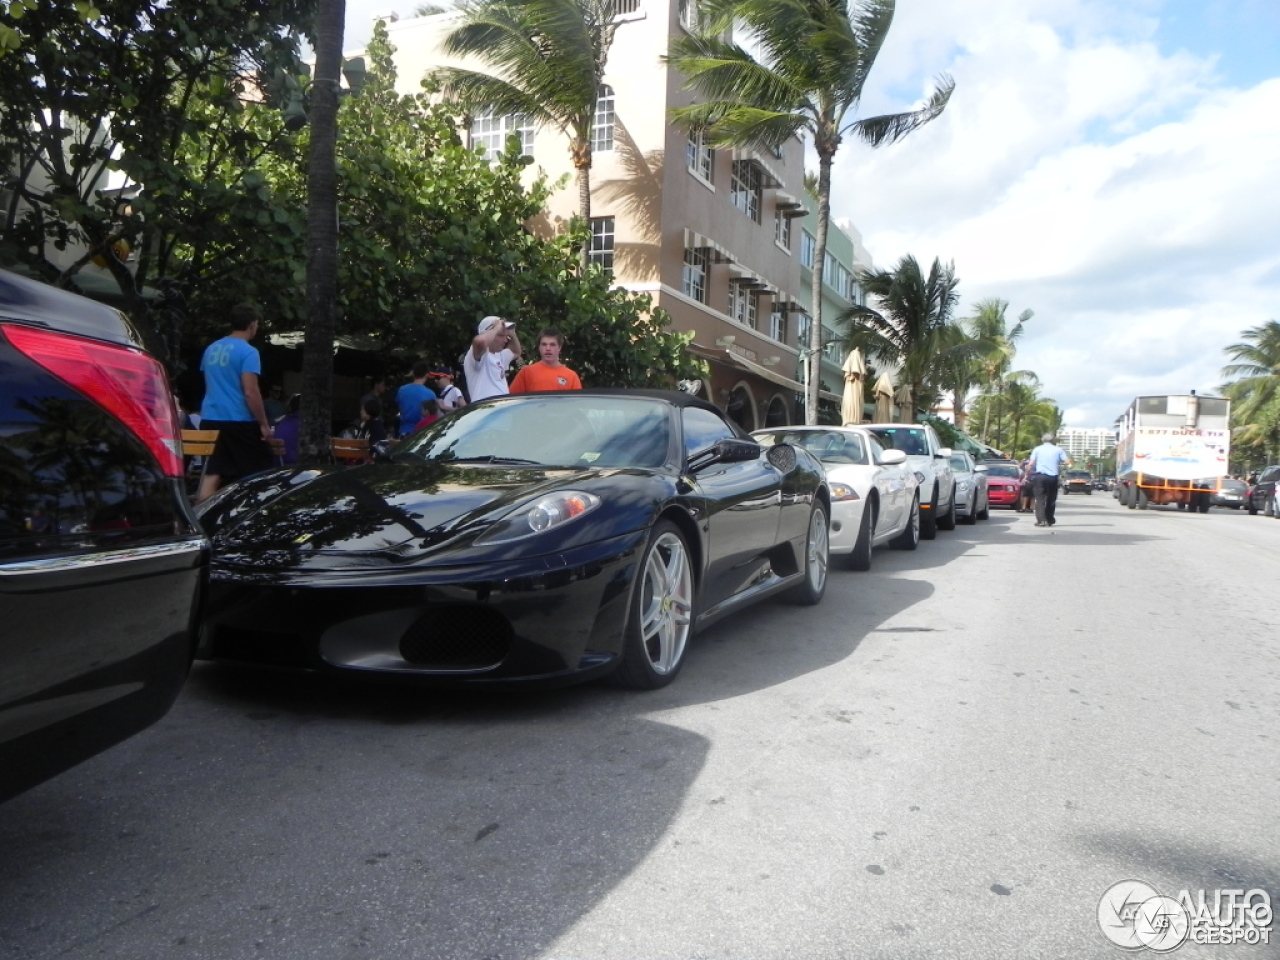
(548, 373)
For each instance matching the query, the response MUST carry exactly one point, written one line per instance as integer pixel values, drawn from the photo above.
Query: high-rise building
(1081, 443)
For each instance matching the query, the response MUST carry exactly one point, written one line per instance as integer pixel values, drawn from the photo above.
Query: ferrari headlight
(842, 491)
(539, 516)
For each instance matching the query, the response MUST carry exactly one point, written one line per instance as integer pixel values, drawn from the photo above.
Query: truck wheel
(1142, 498)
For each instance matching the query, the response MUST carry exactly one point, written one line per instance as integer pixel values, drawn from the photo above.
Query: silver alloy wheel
(819, 550)
(666, 603)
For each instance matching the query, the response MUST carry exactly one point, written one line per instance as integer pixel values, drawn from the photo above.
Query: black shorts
(240, 451)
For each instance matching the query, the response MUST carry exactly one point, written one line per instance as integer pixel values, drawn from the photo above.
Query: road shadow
(1172, 865)
(290, 817)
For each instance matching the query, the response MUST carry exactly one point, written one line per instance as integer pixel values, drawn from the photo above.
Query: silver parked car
(972, 502)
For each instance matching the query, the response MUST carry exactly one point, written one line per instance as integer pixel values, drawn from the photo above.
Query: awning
(789, 206)
(770, 179)
(750, 366)
(715, 252)
(294, 339)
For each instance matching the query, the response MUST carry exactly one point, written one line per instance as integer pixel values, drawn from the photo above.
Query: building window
(746, 188)
(831, 345)
(742, 304)
(778, 326)
(689, 15)
(782, 229)
(619, 7)
(602, 243)
(698, 157)
(807, 247)
(695, 273)
(491, 132)
(602, 127)
(836, 277)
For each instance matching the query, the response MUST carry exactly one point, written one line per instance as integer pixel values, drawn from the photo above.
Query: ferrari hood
(375, 510)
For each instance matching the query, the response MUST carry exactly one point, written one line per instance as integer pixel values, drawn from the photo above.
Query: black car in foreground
(542, 538)
(102, 562)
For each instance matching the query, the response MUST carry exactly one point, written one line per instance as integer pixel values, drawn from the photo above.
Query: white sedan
(875, 495)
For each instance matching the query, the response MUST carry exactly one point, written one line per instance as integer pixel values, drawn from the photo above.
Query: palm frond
(891, 128)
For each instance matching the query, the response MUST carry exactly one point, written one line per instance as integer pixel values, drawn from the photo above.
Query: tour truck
(1173, 449)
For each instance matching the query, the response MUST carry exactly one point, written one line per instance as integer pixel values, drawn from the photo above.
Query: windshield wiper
(495, 459)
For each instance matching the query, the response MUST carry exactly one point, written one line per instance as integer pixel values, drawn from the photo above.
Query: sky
(1111, 165)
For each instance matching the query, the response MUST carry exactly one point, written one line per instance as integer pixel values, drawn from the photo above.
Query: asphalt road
(955, 755)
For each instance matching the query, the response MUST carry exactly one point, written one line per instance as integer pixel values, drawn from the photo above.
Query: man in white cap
(493, 350)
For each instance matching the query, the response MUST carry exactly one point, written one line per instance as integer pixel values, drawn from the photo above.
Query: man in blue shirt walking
(1047, 460)
(233, 404)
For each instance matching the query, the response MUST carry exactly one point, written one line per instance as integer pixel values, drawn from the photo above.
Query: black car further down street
(102, 562)
(1263, 497)
(542, 538)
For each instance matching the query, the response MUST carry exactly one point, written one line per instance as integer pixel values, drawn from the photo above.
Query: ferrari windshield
(550, 431)
(829, 446)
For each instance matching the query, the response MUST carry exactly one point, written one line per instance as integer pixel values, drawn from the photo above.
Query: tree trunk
(581, 152)
(584, 204)
(322, 235)
(815, 295)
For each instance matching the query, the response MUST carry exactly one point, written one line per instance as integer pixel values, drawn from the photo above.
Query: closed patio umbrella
(906, 411)
(884, 399)
(851, 401)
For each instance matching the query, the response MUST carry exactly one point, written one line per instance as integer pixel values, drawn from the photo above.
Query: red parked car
(1004, 483)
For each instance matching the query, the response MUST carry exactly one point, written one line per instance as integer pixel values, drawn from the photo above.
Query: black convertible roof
(677, 398)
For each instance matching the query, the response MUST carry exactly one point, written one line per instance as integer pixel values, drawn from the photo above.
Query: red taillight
(129, 385)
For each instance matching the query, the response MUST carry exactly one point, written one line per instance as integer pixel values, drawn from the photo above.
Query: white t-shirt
(487, 377)
(450, 398)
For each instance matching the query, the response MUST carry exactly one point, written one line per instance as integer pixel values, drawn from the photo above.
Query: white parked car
(932, 463)
(874, 496)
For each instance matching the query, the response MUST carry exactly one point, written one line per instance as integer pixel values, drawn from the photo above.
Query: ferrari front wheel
(817, 555)
(660, 619)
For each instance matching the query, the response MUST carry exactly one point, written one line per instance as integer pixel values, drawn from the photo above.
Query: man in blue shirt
(410, 396)
(1047, 460)
(233, 404)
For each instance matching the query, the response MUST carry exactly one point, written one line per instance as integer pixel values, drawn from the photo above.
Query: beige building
(713, 235)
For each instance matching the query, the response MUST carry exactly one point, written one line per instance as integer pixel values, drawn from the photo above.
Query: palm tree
(1254, 387)
(988, 323)
(322, 233)
(815, 59)
(912, 329)
(549, 59)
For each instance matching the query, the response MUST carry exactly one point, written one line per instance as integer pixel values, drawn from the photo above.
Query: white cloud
(1119, 192)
